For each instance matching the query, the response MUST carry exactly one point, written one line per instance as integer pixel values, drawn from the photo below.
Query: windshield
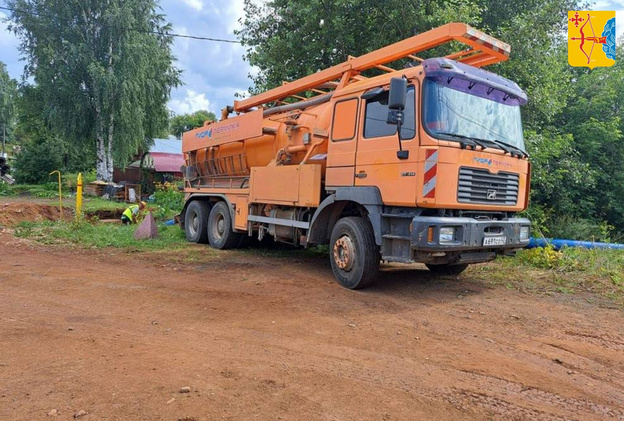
(449, 112)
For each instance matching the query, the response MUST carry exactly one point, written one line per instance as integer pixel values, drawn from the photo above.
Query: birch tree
(8, 96)
(105, 70)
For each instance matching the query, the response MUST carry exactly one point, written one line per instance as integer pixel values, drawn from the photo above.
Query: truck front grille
(478, 185)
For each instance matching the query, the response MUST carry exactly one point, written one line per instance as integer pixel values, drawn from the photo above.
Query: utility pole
(3, 139)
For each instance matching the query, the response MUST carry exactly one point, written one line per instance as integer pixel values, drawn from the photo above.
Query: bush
(169, 200)
(70, 180)
(36, 160)
(582, 229)
(5, 189)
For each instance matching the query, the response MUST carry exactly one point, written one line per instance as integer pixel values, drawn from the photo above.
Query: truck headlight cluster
(447, 235)
(524, 233)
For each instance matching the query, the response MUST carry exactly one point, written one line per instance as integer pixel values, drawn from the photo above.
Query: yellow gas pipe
(79, 197)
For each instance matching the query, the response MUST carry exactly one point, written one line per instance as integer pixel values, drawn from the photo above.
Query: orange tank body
(223, 149)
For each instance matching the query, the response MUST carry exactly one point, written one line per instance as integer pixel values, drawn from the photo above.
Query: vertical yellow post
(60, 192)
(79, 197)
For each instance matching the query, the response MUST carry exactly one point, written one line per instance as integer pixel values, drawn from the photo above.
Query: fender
(328, 212)
(195, 196)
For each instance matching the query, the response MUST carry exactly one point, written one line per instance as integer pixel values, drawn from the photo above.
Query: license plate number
(494, 241)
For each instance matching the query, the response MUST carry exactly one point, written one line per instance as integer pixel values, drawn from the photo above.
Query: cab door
(376, 162)
(342, 144)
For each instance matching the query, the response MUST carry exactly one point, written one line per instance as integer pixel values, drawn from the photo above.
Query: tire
(220, 233)
(446, 269)
(353, 253)
(196, 221)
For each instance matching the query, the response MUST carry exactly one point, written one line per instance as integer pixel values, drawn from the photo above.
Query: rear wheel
(446, 269)
(196, 221)
(353, 253)
(220, 233)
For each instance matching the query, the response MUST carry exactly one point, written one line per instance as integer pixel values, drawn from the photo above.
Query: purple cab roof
(465, 78)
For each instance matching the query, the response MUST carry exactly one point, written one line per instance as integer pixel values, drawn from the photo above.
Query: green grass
(568, 271)
(94, 204)
(89, 235)
(40, 191)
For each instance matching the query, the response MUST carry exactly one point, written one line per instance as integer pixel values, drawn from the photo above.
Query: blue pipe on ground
(557, 244)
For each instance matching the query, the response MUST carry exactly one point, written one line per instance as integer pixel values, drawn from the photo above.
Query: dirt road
(273, 338)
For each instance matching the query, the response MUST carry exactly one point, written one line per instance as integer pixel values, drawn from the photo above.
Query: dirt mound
(13, 213)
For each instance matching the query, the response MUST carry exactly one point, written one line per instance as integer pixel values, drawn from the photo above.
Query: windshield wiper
(497, 144)
(504, 146)
(520, 152)
(472, 142)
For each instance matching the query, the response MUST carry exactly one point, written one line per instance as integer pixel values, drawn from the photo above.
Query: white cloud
(193, 101)
(618, 7)
(194, 4)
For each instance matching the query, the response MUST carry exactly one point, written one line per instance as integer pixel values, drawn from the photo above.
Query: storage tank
(283, 135)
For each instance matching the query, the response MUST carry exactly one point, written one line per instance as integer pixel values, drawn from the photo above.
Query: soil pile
(13, 213)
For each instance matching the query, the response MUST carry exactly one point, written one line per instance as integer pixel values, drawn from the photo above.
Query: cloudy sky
(213, 72)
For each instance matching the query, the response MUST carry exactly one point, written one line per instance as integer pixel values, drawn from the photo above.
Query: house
(161, 163)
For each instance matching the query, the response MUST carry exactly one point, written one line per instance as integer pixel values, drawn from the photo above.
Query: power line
(170, 34)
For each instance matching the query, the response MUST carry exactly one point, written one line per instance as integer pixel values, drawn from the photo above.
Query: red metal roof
(167, 162)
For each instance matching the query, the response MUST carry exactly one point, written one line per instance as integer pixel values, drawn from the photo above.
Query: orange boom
(422, 161)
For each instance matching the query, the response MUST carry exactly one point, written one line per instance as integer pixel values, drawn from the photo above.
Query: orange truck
(385, 157)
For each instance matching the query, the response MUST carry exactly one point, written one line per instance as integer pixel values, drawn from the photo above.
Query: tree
(185, 122)
(8, 95)
(41, 149)
(104, 68)
(595, 119)
(536, 31)
(289, 39)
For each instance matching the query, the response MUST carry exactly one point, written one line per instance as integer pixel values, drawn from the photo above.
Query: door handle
(361, 174)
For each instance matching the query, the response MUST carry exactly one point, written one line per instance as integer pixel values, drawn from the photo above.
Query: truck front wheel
(196, 220)
(353, 253)
(220, 233)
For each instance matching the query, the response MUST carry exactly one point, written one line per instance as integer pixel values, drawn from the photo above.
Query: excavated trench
(14, 213)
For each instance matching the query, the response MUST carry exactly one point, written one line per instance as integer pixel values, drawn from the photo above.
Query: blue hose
(559, 244)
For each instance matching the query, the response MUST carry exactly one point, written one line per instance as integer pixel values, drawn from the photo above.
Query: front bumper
(470, 234)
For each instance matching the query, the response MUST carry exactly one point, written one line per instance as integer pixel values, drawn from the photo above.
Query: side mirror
(398, 91)
(402, 154)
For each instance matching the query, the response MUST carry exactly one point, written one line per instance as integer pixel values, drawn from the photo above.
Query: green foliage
(541, 257)
(288, 39)
(42, 149)
(5, 189)
(94, 204)
(36, 160)
(593, 262)
(578, 228)
(71, 179)
(8, 95)
(538, 63)
(559, 177)
(47, 190)
(104, 70)
(97, 235)
(168, 199)
(185, 122)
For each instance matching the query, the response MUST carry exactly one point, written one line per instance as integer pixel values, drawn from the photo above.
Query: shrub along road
(118, 334)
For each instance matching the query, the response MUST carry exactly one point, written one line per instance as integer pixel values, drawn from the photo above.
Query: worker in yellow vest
(132, 213)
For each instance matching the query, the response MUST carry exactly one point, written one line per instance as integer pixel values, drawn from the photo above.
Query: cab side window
(377, 112)
(345, 120)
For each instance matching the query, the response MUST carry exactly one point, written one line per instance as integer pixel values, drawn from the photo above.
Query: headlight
(524, 233)
(447, 235)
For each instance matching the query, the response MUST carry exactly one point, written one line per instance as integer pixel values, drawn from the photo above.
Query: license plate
(494, 241)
